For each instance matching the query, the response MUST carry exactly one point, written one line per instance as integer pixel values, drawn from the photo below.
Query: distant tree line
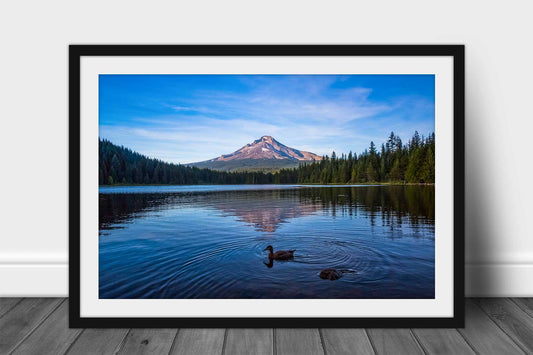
(121, 165)
(413, 162)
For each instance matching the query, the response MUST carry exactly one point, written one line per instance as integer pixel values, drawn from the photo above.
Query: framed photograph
(266, 186)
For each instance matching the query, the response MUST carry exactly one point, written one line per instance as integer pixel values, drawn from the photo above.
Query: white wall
(33, 109)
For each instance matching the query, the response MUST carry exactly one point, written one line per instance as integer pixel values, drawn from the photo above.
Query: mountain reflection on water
(209, 244)
(267, 209)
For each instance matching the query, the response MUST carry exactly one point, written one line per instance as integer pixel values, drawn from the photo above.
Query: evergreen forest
(393, 162)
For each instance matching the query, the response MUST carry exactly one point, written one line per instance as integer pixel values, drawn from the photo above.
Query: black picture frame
(76, 52)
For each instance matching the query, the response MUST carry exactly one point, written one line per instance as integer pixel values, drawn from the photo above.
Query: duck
(280, 254)
(330, 274)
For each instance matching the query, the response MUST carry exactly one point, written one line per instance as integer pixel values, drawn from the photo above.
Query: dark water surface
(208, 241)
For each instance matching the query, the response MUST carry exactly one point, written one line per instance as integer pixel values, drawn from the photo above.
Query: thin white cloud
(290, 103)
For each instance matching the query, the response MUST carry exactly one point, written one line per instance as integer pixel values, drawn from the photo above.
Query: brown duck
(280, 254)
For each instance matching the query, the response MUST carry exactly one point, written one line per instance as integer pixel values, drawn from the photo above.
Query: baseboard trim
(51, 280)
(499, 280)
(34, 280)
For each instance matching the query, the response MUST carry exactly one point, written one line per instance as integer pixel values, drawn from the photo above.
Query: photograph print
(266, 186)
(254, 186)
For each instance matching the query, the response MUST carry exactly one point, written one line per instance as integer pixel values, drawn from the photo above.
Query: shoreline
(304, 184)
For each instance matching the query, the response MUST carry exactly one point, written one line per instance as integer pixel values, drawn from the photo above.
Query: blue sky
(189, 118)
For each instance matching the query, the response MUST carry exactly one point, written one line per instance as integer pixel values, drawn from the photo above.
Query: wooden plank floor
(40, 326)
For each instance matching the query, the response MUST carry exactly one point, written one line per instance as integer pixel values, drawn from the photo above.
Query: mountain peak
(268, 139)
(263, 151)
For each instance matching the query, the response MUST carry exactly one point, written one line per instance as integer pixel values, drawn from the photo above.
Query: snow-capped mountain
(265, 154)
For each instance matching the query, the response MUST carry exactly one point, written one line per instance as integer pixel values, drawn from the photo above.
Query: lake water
(208, 241)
